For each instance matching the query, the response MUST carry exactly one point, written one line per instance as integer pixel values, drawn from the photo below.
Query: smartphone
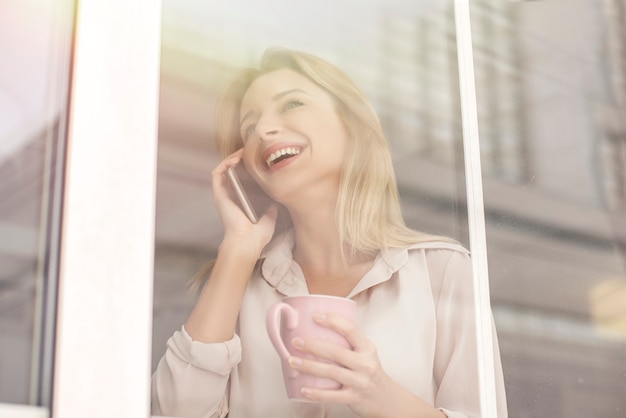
(252, 200)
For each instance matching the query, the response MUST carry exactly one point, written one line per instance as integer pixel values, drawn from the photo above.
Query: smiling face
(294, 140)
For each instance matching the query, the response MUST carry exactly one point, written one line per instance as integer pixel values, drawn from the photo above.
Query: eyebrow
(275, 97)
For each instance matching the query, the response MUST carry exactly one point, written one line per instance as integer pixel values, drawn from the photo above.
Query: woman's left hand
(366, 388)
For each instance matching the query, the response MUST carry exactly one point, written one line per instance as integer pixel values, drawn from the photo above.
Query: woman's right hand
(214, 317)
(238, 229)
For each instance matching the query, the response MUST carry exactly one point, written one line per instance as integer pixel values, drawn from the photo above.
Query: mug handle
(272, 322)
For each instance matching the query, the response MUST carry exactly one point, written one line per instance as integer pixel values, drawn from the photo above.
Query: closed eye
(247, 131)
(293, 103)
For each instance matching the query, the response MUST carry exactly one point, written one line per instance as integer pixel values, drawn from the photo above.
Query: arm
(192, 377)
(214, 317)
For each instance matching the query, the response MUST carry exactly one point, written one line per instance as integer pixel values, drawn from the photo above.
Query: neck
(316, 233)
(318, 252)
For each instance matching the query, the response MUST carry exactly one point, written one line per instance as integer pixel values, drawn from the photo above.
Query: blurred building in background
(550, 84)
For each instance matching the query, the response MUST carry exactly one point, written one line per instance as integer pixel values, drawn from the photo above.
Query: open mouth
(281, 155)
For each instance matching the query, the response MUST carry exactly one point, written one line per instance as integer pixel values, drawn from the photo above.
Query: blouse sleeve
(191, 379)
(455, 368)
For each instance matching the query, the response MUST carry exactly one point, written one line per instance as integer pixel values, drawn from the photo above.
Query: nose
(268, 127)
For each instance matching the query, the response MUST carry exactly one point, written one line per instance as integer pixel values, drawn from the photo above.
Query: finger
(346, 327)
(327, 350)
(365, 363)
(224, 195)
(231, 160)
(219, 184)
(234, 158)
(217, 174)
(340, 396)
(342, 375)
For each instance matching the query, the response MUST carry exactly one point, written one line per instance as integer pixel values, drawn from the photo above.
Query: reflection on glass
(551, 86)
(34, 46)
(402, 53)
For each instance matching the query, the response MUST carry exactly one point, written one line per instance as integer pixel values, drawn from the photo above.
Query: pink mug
(293, 317)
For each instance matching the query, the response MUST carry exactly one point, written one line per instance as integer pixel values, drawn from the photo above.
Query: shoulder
(442, 256)
(448, 264)
(439, 252)
(428, 254)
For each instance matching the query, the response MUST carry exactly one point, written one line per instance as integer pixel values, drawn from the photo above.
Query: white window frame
(104, 332)
(475, 211)
(104, 319)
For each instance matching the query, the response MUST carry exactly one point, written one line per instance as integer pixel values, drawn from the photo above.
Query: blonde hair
(369, 217)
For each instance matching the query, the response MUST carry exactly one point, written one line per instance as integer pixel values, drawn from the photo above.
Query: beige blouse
(415, 304)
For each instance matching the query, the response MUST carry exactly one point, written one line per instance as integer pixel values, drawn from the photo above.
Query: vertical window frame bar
(475, 211)
(104, 317)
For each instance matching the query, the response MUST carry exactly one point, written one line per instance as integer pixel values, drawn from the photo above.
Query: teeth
(277, 154)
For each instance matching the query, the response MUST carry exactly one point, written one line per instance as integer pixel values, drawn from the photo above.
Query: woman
(310, 139)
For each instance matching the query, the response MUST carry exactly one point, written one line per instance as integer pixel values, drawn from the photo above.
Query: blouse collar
(284, 274)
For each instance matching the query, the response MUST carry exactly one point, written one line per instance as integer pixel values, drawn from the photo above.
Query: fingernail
(297, 342)
(295, 361)
(319, 316)
(306, 392)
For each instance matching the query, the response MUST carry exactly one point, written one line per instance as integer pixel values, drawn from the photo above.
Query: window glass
(551, 87)
(402, 53)
(34, 50)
